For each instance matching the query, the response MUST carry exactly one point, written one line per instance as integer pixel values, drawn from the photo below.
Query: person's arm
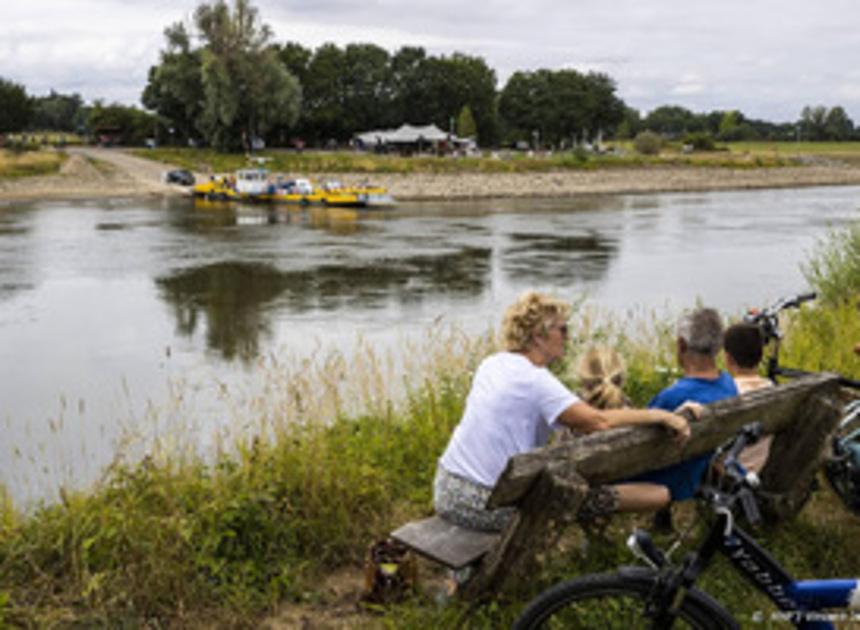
(583, 417)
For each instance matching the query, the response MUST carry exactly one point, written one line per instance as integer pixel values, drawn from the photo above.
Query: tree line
(221, 80)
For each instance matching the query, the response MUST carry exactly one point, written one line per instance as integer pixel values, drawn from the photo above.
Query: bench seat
(444, 542)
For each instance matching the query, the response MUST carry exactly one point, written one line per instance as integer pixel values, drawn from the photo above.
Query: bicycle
(842, 466)
(661, 594)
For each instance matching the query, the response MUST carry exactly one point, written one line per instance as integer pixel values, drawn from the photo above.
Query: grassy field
(337, 453)
(202, 160)
(15, 164)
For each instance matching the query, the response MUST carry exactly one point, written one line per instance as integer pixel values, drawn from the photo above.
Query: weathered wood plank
(622, 453)
(554, 499)
(796, 455)
(444, 542)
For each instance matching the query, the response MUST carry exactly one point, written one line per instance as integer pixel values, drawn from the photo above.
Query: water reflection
(581, 257)
(231, 297)
(14, 240)
(236, 300)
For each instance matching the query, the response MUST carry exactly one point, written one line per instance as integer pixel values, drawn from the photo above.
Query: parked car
(179, 176)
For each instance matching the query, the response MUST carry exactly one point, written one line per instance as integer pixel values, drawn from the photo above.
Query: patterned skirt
(463, 502)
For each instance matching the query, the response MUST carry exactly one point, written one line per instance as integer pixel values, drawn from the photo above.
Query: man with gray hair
(699, 340)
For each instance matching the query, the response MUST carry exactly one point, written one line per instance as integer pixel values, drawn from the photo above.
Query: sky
(766, 58)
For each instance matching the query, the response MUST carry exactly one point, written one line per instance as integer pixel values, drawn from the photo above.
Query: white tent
(406, 134)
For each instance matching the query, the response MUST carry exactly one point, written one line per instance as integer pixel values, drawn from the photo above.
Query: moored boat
(256, 185)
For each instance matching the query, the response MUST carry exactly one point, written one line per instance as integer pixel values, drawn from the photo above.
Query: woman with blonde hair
(514, 405)
(600, 372)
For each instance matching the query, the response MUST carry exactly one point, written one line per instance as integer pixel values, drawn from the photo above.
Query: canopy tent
(408, 135)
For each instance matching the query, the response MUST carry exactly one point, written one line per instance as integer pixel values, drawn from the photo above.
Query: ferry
(256, 185)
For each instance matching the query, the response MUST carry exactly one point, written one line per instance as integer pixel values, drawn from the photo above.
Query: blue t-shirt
(683, 478)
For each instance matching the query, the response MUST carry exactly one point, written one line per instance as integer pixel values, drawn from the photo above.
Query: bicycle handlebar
(748, 435)
(742, 482)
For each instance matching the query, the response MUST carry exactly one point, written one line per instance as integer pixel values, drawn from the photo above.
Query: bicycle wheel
(615, 600)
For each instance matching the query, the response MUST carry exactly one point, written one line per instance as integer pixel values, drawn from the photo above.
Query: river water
(106, 305)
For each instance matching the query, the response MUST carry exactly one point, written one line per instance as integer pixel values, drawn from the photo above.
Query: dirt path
(91, 172)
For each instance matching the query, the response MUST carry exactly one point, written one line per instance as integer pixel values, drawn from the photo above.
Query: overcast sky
(767, 58)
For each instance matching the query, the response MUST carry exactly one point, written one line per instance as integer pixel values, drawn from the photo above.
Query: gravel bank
(122, 175)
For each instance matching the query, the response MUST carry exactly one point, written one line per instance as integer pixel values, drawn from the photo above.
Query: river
(107, 308)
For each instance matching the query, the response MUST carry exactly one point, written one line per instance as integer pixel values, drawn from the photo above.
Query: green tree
(813, 122)
(132, 124)
(560, 106)
(408, 84)
(466, 127)
(296, 58)
(57, 112)
(837, 124)
(673, 121)
(367, 91)
(323, 112)
(246, 88)
(729, 124)
(630, 125)
(175, 87)
(16, 108)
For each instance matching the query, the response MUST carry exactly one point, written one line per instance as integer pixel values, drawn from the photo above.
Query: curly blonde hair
(532, 314)
(601, 376)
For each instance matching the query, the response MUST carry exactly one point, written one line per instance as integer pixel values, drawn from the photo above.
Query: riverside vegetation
(337, 453)
(751, 156)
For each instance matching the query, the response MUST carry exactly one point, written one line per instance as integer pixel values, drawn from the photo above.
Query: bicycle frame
(799, 601)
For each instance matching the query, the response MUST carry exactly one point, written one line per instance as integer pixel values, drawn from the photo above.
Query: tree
(323, 113)
(247, 90)
(57, 112)
(366, 84)
(837, 124)
(466, 123)
(16, 107)
(729, 124)
(813, 122)
(673, 121)
(630, 124)
(132, 125)
(560, 106)
(232, 88)
(175, 86)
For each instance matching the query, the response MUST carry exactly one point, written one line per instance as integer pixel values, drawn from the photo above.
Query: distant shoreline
(130, 176)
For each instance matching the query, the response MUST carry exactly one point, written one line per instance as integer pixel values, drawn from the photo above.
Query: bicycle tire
(595, 601)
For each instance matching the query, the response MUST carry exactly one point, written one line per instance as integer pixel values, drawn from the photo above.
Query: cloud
(767, 58)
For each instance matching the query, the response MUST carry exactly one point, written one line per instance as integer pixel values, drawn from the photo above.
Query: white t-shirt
(512, 407)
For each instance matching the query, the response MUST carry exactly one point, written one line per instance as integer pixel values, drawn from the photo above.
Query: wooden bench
(548, 484)
(444, 542)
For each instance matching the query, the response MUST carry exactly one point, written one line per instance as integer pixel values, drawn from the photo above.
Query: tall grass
(333, 453)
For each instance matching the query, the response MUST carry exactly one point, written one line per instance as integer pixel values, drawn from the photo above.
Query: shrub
(648, 143)
(700, 141)
(833, 268)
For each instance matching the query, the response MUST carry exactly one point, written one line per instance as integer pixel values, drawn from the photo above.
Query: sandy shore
(124, 175)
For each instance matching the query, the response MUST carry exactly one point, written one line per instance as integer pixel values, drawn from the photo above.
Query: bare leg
(641, 497)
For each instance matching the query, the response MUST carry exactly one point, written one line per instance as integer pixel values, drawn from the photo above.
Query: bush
(648, 143)
(833, 269)
(700, 141)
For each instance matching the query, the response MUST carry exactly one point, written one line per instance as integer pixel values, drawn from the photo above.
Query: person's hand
(857, 348)
(679, 426)
(691, 410)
